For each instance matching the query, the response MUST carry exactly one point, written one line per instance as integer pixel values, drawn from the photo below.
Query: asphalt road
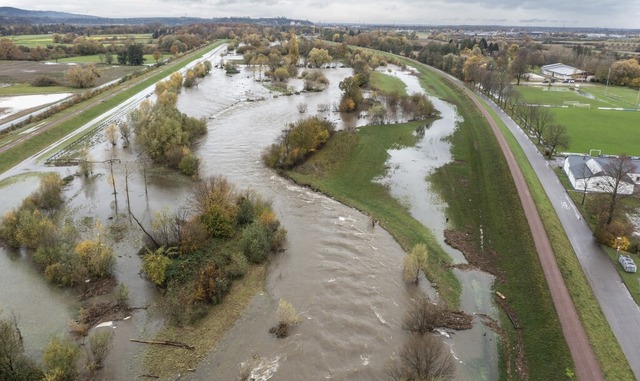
(618, 306)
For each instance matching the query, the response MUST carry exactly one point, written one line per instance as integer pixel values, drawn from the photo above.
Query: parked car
(627, 263)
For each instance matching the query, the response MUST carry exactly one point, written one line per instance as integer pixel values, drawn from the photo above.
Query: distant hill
(9, 15)
(11, 12)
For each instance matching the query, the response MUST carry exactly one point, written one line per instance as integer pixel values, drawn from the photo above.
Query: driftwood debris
(165, 342)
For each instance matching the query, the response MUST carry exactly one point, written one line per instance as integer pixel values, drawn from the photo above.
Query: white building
(588, 173)
(562, 71)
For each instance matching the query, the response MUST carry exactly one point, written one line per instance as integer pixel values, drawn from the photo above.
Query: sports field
(611, 131)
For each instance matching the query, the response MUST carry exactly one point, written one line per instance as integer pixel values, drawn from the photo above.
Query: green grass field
(611, 131)
(387, 83)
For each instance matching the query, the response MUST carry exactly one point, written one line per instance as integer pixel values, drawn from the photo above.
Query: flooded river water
(341, 274)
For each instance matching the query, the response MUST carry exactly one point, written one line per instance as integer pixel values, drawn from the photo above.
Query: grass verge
(165, 362)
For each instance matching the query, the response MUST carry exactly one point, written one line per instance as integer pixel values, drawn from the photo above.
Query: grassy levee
(605, 345)
(481, 194)
(39, 142)
(345, 169)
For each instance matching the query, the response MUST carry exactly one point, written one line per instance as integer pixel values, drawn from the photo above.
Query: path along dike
(584, 359)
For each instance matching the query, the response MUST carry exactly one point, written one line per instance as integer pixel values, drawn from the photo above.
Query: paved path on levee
(584, 359)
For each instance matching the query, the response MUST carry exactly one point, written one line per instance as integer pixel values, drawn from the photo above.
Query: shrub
(155, 266)
(193, 236)
(607, 234)
(60, 358)
(99, 346)
(298, 142)
(238, 265)
(220, 220)
(122, 296)
(287, 316)
(281, 74)
(255, 242)
(287, 313)
(43, 81)
(210, 285)
(97, 257)
(49, 193)
(189, 165)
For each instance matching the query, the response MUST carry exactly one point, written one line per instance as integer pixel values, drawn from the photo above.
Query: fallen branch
(165, 342)
(149, 376)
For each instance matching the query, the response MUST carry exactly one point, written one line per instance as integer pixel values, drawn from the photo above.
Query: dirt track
(586, 364)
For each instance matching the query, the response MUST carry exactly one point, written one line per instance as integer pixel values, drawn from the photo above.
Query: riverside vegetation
(348, 163)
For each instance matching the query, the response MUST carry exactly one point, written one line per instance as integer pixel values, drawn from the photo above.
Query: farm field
(19, 74)
(43, 40)
(613, 132)
(96, 59)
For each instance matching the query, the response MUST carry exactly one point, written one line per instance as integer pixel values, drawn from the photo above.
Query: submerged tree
(423, 357)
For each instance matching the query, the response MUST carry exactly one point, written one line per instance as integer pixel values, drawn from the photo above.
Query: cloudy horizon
(544, 13)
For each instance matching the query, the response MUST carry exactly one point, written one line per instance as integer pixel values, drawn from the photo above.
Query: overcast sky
(587, 13)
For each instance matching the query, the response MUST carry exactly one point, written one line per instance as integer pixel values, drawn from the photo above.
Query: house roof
(586, 166)
(562, 69)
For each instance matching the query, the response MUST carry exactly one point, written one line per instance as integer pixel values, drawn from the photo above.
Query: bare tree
(617, 171)
(587, 175)
(539, 119)
(422, 316)
(422, 358)
(125, 132)
(519, 66)
(555, 137)
(111, 133)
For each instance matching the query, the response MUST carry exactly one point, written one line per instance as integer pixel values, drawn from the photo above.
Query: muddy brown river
(342, 275)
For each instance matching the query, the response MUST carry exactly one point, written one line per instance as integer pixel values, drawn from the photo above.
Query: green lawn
(613, 132)
(387, 83)
(591, 94)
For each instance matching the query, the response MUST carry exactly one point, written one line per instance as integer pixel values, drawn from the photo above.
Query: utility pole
(606, 90)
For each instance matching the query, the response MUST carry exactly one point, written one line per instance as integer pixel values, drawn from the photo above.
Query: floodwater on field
(15, 104)
(409, 168)
(341, 274)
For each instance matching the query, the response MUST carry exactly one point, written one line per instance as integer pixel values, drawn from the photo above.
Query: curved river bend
(341, 274)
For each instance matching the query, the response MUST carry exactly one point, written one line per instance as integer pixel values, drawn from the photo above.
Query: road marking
(575, 210)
